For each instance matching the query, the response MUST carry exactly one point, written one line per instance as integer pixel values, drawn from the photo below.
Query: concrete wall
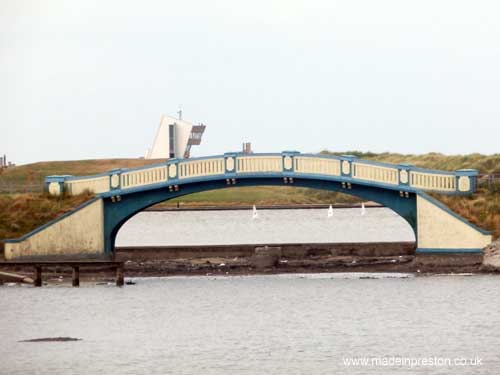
(94, 185)
(439, 228)
(430, 262)
(369, 249)
(81, 232)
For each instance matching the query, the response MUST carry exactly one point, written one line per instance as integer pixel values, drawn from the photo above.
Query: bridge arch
(117, 213)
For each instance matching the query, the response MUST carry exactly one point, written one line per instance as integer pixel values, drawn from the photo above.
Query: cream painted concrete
(199, 168)
(143, 177)
(260, 164)
(432, 181)
(438, 229)
(375, 173)
(55, 188)
(317, 165)
(94, 185)
(81, 233)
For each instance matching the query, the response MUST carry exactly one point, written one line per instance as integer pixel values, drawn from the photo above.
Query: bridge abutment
(442, 231)
(79, 233)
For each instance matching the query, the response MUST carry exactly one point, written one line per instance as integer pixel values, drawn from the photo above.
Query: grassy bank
(21, 213)
(481, 209)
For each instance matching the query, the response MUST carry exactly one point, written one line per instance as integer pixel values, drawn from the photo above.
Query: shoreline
(96, 279)
(246, 260)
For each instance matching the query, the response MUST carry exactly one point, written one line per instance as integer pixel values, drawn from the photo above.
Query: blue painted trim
(117, 171)
(467, 172)
(156, 165)
(432, 171)
(234, 156)
(137, 189)
(290, 155)
(401, 169)
(52, 222)
(452, 213)
(177, 171)
(448, 251)
(57, 178)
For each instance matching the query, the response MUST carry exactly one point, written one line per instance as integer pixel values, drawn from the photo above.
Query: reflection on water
(280, 324)
(271, 226)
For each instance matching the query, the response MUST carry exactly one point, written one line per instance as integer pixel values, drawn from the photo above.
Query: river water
(288, 324)
(276, 324)
(177, 228)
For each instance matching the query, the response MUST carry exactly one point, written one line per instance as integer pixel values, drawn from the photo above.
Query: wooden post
(76, 276)
(119, 276)
(38, 276)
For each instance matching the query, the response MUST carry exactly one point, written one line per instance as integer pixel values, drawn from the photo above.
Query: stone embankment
(491, 260)
(291, 258)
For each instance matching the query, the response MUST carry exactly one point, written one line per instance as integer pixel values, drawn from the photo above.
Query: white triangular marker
(255, 215)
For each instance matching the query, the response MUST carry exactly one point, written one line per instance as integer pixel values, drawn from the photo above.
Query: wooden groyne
(38, 266)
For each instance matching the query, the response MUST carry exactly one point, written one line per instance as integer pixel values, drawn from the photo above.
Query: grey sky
(89, 79)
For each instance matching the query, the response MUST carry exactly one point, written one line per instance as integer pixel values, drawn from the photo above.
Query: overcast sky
(90, 79)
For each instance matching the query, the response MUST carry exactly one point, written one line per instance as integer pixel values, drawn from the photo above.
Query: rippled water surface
(290, 324)
(272, 226)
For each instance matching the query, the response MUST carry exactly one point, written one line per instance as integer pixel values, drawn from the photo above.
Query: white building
(174, 138)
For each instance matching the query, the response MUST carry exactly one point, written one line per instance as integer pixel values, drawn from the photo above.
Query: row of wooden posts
(117, 267)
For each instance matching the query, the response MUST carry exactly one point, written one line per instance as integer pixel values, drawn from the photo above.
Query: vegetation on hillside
(21, 213)
(481, 208)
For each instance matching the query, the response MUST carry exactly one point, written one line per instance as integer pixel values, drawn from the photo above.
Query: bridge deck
(346, 168)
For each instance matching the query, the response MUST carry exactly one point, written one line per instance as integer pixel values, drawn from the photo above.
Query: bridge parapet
(345, 168)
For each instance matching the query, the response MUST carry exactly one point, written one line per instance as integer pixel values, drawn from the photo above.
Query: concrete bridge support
(440, 230)
(79, 233)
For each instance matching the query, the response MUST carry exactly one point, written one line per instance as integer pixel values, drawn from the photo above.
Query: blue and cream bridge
(91, 229)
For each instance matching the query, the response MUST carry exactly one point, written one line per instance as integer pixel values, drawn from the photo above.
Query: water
(289, 324)
(272, 226)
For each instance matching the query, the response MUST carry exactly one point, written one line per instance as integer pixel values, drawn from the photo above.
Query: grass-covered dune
(20, 213)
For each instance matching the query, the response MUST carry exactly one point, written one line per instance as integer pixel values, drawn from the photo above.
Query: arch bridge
(91, 229)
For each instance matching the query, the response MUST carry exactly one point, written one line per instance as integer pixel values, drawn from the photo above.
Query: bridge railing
(346, 168)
